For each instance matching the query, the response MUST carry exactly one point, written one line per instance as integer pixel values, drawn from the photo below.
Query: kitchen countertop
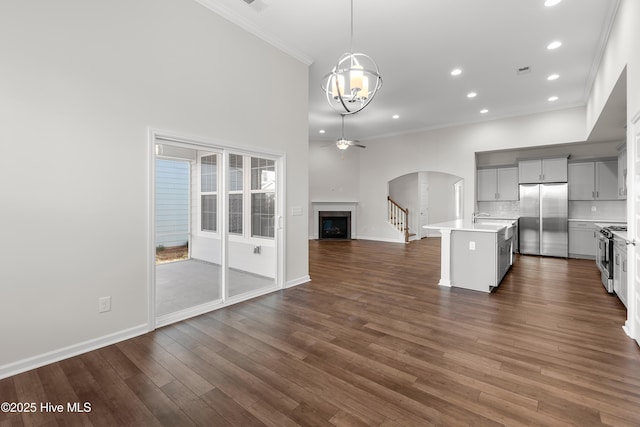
(620, 235)
(607, 221)
(466, 225)
(603, 224)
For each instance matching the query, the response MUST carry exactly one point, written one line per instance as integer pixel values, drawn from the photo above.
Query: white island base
(473, 255)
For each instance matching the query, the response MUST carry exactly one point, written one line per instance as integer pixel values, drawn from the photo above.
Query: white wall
(333, 176)
(442, 200)
(81, 82)
(622, 50)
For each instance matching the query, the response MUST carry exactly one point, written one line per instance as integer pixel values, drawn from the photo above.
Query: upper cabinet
(593, 180)
(497, 184)
(622, 171)
(542, 170)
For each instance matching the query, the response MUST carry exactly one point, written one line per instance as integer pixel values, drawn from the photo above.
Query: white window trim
(200, 231)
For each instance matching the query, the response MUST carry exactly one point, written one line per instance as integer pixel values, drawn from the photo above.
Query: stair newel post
(406, 225)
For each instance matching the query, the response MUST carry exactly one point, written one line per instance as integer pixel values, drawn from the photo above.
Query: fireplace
(334, 225)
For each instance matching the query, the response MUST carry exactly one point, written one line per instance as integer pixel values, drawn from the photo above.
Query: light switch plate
(296, 211)
(472, 246)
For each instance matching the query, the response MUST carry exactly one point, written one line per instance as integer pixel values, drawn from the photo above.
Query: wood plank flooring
(371, 341)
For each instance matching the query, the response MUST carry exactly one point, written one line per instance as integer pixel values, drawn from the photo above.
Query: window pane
(209, 173)
(235, 213)
(235, 172)
(262, 214)
(209, 208)
(263, 174)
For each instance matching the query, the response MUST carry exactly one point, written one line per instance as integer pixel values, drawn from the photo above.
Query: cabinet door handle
(597, 194)
(624, 265)
(617, 259)
(593, 194)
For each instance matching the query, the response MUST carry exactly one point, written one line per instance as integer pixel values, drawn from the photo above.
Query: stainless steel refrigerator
(543, 223)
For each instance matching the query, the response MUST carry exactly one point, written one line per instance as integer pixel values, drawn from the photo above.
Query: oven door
(601, 253)
(603, 261)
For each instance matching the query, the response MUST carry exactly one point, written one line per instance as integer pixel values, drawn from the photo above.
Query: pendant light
(353, 82)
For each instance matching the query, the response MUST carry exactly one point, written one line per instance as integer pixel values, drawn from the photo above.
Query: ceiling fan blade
(359, 145)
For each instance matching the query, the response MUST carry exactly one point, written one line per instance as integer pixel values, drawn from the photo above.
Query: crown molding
(245, 24)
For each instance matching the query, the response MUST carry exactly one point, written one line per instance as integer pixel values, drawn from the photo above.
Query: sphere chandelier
(353, 82)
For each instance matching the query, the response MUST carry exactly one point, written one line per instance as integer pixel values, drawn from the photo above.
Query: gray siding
(172, 202)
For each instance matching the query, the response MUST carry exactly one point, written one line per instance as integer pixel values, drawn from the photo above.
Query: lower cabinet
(505, 257)
(620, 269)
(582, 239)
(479, 259)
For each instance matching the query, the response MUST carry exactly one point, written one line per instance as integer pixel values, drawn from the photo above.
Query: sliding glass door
(215, 228)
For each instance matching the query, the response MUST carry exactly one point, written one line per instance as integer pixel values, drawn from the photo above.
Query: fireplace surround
(334, 225)
(332, 206)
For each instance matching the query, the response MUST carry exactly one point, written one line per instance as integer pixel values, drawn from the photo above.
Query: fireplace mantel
(334, 206)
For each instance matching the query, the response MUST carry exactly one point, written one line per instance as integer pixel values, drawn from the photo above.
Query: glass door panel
(188, 272)
(251, 206)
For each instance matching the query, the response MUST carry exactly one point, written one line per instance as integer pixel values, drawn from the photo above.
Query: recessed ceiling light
(553, 98)
(550, 3)
(321, 130)
(472, 95)
(395, 116)
(484, 111)
(456, 72)
(554, 45)
(553, 77)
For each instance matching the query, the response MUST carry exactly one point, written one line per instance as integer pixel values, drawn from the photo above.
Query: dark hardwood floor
(371, 341)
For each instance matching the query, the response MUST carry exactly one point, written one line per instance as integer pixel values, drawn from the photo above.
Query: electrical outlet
(257, 249)
(472, 246)
(104, 304)
(593, 208)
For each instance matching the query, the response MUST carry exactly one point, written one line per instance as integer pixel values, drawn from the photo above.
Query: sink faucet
(476, 215)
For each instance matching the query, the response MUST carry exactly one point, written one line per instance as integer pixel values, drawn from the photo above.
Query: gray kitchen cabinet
(622, 171)
(497, 184)
(620, 269)
(533, 171)
(593, 180)
(582, 239)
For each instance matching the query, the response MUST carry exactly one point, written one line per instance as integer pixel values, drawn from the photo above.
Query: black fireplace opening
(335, 225)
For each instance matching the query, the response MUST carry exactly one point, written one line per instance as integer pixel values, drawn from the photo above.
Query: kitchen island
(474, 255)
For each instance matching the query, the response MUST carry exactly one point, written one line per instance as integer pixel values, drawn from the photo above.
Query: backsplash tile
(609, 210)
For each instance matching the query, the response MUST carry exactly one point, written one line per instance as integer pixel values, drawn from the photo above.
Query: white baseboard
(298, 281)
(24, 365)
(381, 239)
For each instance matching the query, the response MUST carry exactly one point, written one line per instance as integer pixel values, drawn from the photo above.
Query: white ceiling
(416, 44)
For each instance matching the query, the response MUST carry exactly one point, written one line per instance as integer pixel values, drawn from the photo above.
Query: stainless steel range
(604, 254)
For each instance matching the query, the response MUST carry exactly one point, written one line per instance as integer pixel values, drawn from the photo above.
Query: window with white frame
(263, 197)
(209, 192)
(236, 195)
(251, 195)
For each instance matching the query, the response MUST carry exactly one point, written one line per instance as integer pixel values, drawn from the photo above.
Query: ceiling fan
(344, 143)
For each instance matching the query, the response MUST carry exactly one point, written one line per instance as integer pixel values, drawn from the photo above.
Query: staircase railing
(398, 217)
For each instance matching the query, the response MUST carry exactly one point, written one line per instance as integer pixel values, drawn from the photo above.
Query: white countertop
(603, 224)
(607, 221)
(466, 225)
(620, 235)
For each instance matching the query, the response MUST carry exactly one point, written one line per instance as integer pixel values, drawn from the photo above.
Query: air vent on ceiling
(523, 70)
(257, 5)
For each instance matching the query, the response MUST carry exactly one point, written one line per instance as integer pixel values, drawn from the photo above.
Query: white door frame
(632, 325)
(155, 135)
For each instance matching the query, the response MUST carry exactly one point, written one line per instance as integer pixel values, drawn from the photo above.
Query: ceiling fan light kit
(353, 82)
